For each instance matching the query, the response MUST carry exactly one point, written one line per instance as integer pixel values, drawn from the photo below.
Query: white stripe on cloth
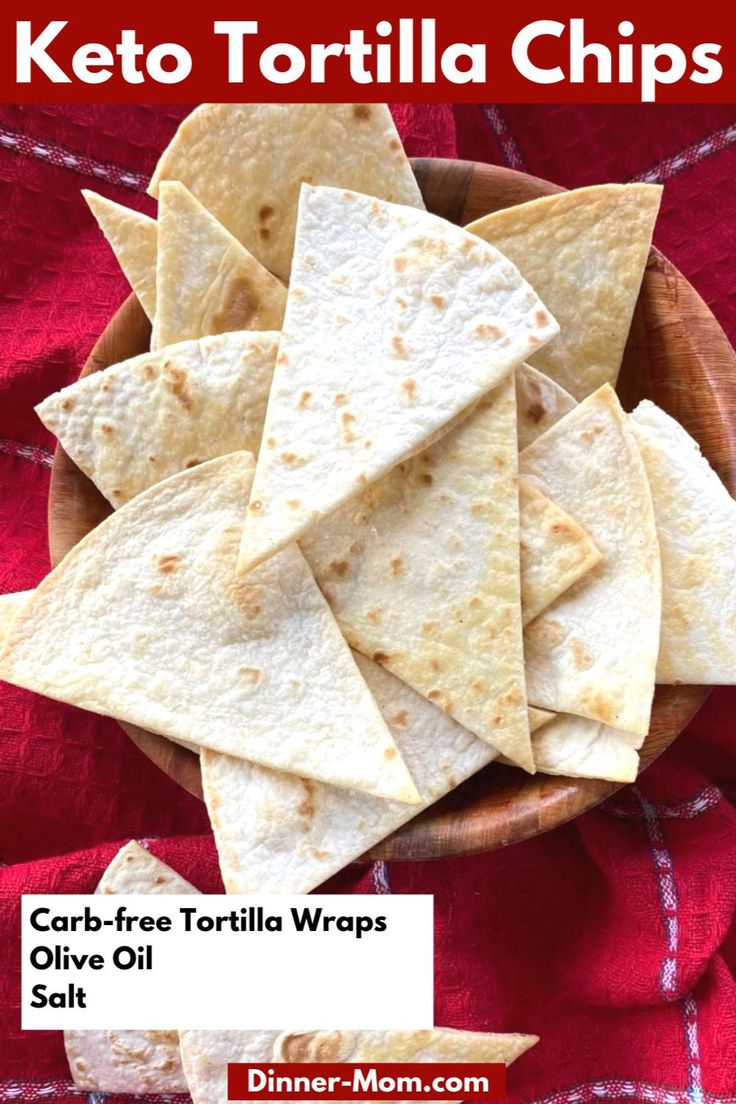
(689, 157)
(25, 146)
(497, 122)
(34, 454)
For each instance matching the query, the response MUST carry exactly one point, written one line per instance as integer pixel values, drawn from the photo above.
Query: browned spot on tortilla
(355, 548)
(251, 675)
(240, 303)
(475, 602)
(400, 263)
(176, 380)
(426, 478)
(271, 442)
(400, 720)
(600, 706)
(348, 420)
(160, 879)
(153, 460)
(398, 346)
(289, 458)
(536, 412)
(478, 685)
(248, 597)
(398, 566)
(380, 657)
(167, 565)
(546, 632)
(561, 527)
(438, 301)
(435, 664)
(580, 654)
(367, 444)
(265, 212)
(401, 303)
(485, 329)
(255, 507)
(533, 339)
(294, 503)
(409, 387)
(340, 398)
(477, 509)
(435, 695)
(306, 807)
(67, 404)
(394, 144)
(589, 435)
(541, 318)
(264, 232)
(429, 626)
(361, 112)
(390, 753)
(282, 359)
(339, 568)
(190, 463)
(149, 371)
(107, 429)
(374, 616)
(304, 398)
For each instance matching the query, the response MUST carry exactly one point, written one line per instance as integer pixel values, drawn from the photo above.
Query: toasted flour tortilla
(422, 574)
(205, 1056)
(10, 607)
(540, 402)
(147, 418)
(396, 322)
(584, 252)
(130, 1061)
(594, 652)
(246, 163)
(555, 551)
(696, 525)
(279, 834)
(579, 748)
(144, 621)
(206, 281)
(443, 1044)
(132, 237)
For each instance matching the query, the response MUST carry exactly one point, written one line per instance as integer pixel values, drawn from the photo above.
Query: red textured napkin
(613, 937)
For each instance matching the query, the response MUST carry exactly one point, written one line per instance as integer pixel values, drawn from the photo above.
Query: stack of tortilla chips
(379, 518)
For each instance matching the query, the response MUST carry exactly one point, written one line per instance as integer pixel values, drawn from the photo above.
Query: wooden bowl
(677, 355)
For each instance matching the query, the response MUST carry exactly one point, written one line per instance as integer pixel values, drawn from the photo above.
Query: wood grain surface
(677, 355)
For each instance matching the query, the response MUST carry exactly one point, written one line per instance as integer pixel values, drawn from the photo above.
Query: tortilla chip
(396, 322)
(443, 1044)
(537, 718)
(246, 163)
(540, 402)
(147, 418)
(579, 748)
(594, 652)
(205, 1056)
(422, 574)
(10, 607)
(143, 621)
(584, 252)
(696, 525)
(206, 281)
(130, 1061)
(555, 551)
(279, 834)
(132, 237)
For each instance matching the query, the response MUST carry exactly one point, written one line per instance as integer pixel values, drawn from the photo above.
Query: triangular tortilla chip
(422, 574)
(206, 281)
(555, 551)
(147, 418)
(396, 322)
(132, 237)
(10, 607)
(584, 252)
(696, 525)
(144, 621)
(205, 1056)
(130, 1061)
(540, 402)
(594, 652)
(578, 748)
(443, 1044)
(320, 829)
(246, 163)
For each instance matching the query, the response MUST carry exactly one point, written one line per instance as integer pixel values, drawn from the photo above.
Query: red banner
(255, 52)
(366, 1081)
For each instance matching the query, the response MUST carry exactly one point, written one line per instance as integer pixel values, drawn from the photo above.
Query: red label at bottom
(365, 1081)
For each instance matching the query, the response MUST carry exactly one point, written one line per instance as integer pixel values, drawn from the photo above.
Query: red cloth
(612, 938)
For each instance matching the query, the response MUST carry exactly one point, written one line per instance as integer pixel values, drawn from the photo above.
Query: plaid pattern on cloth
(613, 937)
